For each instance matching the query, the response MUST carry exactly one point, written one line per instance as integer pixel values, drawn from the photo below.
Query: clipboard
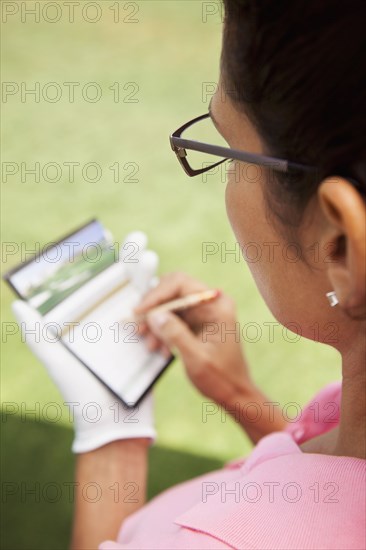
(81, 288)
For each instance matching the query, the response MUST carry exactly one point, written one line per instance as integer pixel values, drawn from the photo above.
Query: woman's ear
(345, 235)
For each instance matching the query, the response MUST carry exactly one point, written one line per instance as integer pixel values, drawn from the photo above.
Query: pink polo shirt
(276, 498)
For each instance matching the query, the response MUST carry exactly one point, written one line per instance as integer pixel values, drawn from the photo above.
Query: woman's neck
(349, 437)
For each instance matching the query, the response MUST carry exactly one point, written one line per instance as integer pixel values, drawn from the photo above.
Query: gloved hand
(99, 417)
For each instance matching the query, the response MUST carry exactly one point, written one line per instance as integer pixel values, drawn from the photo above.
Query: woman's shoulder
(284, 498)
(279, 497)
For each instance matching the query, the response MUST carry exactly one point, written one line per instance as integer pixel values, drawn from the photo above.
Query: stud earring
(332, 298)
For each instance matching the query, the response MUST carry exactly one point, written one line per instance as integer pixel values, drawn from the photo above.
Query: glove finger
(42, 340)
(45, 344)
(145, 271)
(133, 244)
(131, 250)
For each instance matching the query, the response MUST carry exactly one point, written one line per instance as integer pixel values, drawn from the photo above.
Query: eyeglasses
(199, 158)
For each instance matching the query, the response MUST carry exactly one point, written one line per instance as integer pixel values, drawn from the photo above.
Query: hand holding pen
(197, 334)
(207, 337)
(180, 304)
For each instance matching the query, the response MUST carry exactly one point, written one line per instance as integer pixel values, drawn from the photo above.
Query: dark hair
(297, 69)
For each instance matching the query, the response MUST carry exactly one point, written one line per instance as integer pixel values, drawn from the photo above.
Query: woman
(291, 87)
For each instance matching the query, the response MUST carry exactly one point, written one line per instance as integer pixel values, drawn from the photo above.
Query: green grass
(170, 54)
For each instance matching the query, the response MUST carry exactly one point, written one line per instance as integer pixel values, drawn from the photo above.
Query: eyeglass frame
(179, 146)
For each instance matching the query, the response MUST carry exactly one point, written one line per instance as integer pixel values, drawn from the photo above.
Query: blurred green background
(164, 55)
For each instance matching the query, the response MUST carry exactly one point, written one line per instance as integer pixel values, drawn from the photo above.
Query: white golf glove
(99, 417)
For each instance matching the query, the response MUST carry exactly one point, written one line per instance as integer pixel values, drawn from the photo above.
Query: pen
(181, 304)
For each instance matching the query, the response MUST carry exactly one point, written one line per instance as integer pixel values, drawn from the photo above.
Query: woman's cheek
(245, 210)
(229, 201)
(235, 203)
